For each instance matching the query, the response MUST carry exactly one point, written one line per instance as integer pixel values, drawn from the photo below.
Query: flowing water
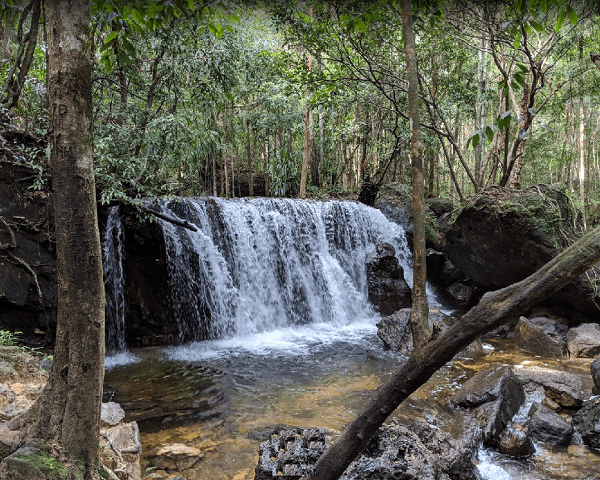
(276, 292)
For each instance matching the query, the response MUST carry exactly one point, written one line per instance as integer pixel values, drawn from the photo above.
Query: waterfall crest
(257, 265)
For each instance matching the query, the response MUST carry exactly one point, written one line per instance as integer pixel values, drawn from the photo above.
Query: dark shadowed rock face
(503, 236)
(388, 291)
(548, 426)
(494, 395)
(587, 421)
(595, 370)
(541, 336)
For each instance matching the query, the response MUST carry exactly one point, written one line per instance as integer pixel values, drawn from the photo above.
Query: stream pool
(224, 397)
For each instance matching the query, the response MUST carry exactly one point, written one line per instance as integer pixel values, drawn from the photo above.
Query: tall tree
(67, 413)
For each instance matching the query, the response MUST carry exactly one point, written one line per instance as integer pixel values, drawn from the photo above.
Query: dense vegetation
(229, 98)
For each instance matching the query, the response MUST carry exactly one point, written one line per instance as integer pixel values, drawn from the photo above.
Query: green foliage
(8, 338)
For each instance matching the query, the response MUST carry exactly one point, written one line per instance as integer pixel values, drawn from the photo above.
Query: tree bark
(307, 127)
(491, 312)
(67, 413)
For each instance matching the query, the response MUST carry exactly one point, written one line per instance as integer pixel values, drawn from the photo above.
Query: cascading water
(112, 258)
(267, 264)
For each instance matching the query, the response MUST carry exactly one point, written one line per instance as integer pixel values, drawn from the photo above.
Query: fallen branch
(492, 311)
(173, 220)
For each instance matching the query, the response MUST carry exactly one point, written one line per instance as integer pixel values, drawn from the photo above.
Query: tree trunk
(492, 311)
(67, 413)
(307, 128)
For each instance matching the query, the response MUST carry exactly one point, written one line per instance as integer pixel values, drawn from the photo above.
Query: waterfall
(112, 258)
(257, 265)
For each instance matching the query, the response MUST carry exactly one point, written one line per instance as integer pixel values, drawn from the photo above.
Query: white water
(112, 260)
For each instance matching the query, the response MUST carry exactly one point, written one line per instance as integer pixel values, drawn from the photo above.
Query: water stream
(276, 330)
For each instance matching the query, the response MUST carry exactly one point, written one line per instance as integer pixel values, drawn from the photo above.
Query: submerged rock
(494, 395)
(388, 291)
(548, 426)
(541, 336)
(587, 421)
(175, 457)
(584, 341)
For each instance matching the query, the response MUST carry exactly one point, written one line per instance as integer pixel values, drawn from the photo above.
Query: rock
(541, 336)
(46, 364)
(32, 461)
(125, 439)
(548, 426)
(595, 369)
(175, 457)
(388, 291)
(420, 452)
(7, 396)
(461, 293)
(584, 341)
(515, 441)
(587, 421)
(551, 404)
(111, 414)
(290, 454)
(562, 388)
(395, 332)
(495, 395)
(502, 236)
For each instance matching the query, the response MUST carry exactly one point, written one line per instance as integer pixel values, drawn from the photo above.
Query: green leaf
(191, 4)
(559, 21)
(544, 6)
(489, 132)
(536, 26)
(111, 36)
(528, 29)
(517, 43)
(572, 15)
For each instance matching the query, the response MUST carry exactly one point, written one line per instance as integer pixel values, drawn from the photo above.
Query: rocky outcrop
(28, 291)
(587, 421)
(541, 336)
(562, 388)
(493, 396)
(503, 236)
(548, 426)
(388, 291)
(584, 341)
(419, 451)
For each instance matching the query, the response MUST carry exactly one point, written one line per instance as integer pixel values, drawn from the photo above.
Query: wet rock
(461, 293)
(494, 395)
(548, 426)
(112, 414)
(595, 369)
(584, 341)
(563, 388)
(551, 404)
(440, 270)
(417, 452)
(32, 461)
(290, 454)
(175, 457)
(541, 336)
(394, 330)
(388, 291)
(587, 421)
(515, 441)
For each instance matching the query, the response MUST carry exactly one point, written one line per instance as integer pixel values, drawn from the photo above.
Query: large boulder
(494, 396)
(587, 421)
(502, 236)
(584, 341)
(562, 388)
(548, 426)
(388, 291)
(515, 442)
(419, 451)
(541, 336)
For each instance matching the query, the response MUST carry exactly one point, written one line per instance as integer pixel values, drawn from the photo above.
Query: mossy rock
(501, 236)
(33, 461)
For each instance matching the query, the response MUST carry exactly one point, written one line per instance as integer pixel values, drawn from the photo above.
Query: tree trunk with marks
(67, 413)
(492, 311)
